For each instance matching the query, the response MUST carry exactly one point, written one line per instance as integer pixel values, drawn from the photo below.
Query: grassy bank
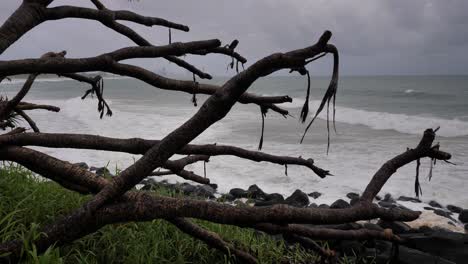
(27, 202)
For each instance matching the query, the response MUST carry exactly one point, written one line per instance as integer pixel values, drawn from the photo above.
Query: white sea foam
(409, 124)
(348, 160)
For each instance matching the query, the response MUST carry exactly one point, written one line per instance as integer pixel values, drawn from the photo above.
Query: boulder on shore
(463, 217)
(442, 243)
(297, 199)
(408, 199)
(238, 193)
(340, 204)
(435, 204)
(352, 195)
(255, 192)
(315, 195)
(454, 209)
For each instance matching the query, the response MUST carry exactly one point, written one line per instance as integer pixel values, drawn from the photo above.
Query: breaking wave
(409, 124)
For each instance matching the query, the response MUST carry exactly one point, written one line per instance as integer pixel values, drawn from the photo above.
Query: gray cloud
(374, 37)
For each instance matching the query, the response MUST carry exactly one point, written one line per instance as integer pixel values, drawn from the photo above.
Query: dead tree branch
(141, 146)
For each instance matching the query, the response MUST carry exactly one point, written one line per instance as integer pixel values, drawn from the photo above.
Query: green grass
(27, 202)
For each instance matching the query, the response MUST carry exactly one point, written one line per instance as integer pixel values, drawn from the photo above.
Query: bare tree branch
(212, 239)
(141, 146)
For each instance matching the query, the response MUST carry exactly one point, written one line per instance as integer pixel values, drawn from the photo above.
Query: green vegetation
(27, 202)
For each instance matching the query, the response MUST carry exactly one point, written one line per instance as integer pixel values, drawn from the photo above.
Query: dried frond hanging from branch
(417, 185)
(329, 94)
(305, 108)
(194, 94)
(263, 112)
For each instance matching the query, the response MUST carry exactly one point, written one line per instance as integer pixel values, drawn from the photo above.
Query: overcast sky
(374, 36)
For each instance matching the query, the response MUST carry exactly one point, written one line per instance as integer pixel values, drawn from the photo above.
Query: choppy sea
(377, 118)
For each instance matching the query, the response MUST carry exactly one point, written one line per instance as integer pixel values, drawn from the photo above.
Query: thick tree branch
(212, 239)
(30, 106)
(328, 233)
(141, 146)
(26, 17)
(104, 16)
(106, 63)
(424, 149)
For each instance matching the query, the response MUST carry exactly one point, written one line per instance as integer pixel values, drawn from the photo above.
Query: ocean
(376, 119)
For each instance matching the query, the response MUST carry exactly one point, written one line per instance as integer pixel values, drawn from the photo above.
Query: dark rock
(378, 198)
(93, 168)
(152, 184)
(354, 201)
(451, 223)
(315, 195)
(454, 209)
(298, 199)
(397, 227)
(205, 191)
(340, 204)
(238, 193)
(352, 195)
(444, 214)
(82, 165)
(325, 206)
(213, 185)
(425, 230)
(466, 227)
(410, 256)
(408, 199)
(271, 199)
(429, 208)
(274, 197)
(405, 255)
(147, 181)
(435, 204)
(388, 198)
(188, 189)
(387, 204)
(255, 192)
(226, 198)
(443, 243)
(313, 205)
(463, 217)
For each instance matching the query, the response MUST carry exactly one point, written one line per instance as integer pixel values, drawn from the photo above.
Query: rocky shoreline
(438, 236)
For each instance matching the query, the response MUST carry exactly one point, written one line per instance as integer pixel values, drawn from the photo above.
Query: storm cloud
(374, 37)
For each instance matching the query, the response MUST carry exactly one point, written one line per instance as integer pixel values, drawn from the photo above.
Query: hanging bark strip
(204, 169)
(330, 93)
(305, 108)
(194, 96)
(263, 112)
(417, 185)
